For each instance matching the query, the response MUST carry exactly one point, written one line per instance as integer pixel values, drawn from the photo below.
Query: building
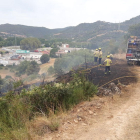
(60, 53)
(26, 54)
(65, 45)
(35, 55)
(4, 62)
(45, 52)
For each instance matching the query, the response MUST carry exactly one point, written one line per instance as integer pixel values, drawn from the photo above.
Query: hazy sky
(63, 13)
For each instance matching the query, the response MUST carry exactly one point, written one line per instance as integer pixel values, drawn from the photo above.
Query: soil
(105, 118)
(95, 74)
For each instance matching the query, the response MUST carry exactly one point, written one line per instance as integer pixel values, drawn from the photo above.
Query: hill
(95, 33)
(99, 29)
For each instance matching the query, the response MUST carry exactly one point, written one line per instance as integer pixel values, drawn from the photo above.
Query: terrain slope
(104, 118)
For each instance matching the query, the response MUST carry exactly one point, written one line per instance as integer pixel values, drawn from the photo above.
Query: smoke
(71, 60)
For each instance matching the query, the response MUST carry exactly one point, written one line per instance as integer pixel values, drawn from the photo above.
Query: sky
(63, 13)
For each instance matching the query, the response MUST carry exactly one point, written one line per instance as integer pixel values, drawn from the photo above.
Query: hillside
(28, 31)
(91, 31)
(84, 32)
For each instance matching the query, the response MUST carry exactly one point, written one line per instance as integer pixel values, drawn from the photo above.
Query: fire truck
(133, 50)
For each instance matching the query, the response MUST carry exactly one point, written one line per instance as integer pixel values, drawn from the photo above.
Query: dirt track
(104, 118)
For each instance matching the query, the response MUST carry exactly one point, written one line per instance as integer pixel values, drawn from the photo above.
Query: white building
(4, 62)
(35, 55)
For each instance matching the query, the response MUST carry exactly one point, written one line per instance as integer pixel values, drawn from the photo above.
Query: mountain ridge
(81, 32)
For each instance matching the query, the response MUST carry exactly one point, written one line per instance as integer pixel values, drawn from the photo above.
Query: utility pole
(86, 61)
(15, 41)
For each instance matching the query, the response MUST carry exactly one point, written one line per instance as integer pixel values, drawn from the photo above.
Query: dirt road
(124, 123)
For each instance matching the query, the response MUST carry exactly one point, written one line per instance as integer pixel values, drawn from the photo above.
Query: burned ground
(95, 74)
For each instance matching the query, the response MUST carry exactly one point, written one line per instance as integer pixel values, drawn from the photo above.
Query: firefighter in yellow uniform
(108, 63)
(96, 56)
(111, 56)
(100, 56)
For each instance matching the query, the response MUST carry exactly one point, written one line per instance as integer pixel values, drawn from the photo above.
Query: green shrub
(8, 77)
(14, 114)
(17, 110)
(60, 95)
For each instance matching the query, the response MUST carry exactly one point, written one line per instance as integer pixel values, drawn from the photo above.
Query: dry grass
(42, 125)
(4, 72)
(44, 67)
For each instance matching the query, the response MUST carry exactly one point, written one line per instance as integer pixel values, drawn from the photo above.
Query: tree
(27, 67)
(47, 44)
(44, 58)
(30, 44)
(42, 40)
(134, 30)
(58, 67)
(33, 67)
(1, 39)
(53, 51)
(21, 68)
(1, 81)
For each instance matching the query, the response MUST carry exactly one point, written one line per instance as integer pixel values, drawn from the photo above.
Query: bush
(8, 77)
(14, 114)
(17, 110)
(17, 74)
(61, 95)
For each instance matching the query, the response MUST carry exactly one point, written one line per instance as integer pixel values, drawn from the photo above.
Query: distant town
(14, 55)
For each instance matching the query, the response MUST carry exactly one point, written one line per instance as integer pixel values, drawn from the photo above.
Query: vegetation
(18, 111)
(85, 35)
(1, 81)
(50, 70)
(53, 51)
(134, 30)
(27, 31)
(6, 84)
(44, 58)
(27, 67)
(10, 41)
(30, 44)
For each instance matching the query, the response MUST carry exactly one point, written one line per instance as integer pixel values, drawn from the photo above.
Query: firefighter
(96, 56)
(100, 56)
(108, 63)
(111, 56)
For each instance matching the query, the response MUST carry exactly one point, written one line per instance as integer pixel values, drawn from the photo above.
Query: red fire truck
(133, 50)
